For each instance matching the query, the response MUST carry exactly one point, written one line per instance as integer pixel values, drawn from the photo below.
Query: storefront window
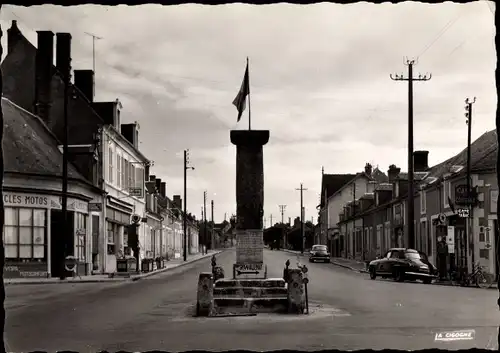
(25, 234)
(111, 238)
(81, 225)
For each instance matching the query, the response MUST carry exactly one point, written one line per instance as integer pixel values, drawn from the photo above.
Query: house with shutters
(378, 220)
(337, 191)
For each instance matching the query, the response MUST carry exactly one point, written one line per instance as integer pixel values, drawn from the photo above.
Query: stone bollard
(205, 299)
(296, 296)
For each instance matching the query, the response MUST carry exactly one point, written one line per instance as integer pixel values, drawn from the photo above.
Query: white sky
(319, 77)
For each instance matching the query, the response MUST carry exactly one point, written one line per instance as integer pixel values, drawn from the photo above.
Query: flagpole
(249, 106)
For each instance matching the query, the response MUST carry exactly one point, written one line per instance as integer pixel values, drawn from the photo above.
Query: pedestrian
(442, 251)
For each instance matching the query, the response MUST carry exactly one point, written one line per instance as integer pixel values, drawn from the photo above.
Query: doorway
(57, 237)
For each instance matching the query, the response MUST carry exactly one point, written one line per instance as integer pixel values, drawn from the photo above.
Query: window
(139, 179)
(132, 175)
(110, 172)
(25, 233)
(423, 202)
(112, 235)
(118, 170)
(424, 247)
(379, 237)
(124, 173)
(80, 241)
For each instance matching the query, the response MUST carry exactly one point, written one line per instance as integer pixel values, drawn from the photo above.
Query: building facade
(35, 243)
(438, 215)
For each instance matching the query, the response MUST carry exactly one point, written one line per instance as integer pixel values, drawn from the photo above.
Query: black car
(403, 264)
(319, 253)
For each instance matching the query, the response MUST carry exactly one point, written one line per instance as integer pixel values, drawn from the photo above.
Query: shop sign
(25, 200)
(25, 270)
(464, 198)
(12, 199)
(95, 207)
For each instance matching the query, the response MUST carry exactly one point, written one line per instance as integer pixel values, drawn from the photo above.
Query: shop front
(33, 236)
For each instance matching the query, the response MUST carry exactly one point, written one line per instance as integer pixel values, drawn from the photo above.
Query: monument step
(256, 304)
(251, 291)
(250, 282)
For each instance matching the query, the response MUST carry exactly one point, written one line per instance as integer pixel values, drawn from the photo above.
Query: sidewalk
(105, 278)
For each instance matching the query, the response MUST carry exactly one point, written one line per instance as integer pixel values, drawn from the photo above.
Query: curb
(332, 262)
(149, 274)
(111, 280)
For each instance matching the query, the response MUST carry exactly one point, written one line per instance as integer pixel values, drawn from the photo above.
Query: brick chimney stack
(43, 74)
(13, 35)
(63, 54)
(393, 172)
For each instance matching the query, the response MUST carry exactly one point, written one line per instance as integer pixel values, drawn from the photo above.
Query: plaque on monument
(249, 246)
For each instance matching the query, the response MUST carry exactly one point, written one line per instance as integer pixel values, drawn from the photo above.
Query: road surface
(348, 311)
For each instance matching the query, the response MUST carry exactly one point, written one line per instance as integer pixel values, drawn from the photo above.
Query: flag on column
(240, 101)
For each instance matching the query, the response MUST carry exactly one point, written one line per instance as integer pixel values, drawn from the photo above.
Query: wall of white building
(123, 168)
(346, 194)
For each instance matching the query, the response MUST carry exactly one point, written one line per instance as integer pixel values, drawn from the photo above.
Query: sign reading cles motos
(462, 197)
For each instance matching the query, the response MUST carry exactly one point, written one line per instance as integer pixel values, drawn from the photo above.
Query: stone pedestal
(249, 200)
(296, 293)
(205, 297)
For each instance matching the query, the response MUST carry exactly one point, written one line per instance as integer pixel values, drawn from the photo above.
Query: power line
(439, 35)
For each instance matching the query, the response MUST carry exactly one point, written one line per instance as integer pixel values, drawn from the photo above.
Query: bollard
(205, 298)
(295, 288)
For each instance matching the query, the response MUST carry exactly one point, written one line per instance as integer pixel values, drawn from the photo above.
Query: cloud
(319, 78)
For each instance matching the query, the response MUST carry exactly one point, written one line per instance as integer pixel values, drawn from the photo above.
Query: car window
(387, 255)
(319, 248)
(394, 254)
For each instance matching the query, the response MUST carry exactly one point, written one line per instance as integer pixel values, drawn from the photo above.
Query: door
(497, 245)
(383, 263)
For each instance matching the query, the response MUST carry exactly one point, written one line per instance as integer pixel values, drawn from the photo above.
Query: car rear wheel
(427, 280)
(373, 273)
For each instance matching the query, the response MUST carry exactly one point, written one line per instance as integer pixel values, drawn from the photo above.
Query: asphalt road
(348, 311)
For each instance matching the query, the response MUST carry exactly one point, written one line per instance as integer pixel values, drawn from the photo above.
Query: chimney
(84, 81)
(43, 74)
(152, 177)
(368, 169)
(13, 36)
(129, 131)
(163, 189)
(157, 184)
(63, 54)
(420, 161)
(178, 201)
(393, 172)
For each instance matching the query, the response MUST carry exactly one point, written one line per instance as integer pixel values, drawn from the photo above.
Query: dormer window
(456, 168)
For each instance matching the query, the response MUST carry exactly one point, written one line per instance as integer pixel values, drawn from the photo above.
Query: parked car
(319, 253)
(403, 264)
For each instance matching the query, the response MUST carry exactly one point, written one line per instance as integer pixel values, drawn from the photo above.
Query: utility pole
(468, 228)
(282, 211)
(205, 221)
(184, 218)
(302, 189)
(283, 233)
(94, 37)
(411, 187)
(212, 221)
(302, 228)
(66, 77)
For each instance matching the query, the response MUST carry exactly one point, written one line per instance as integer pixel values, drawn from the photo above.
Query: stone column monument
(249, 202)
